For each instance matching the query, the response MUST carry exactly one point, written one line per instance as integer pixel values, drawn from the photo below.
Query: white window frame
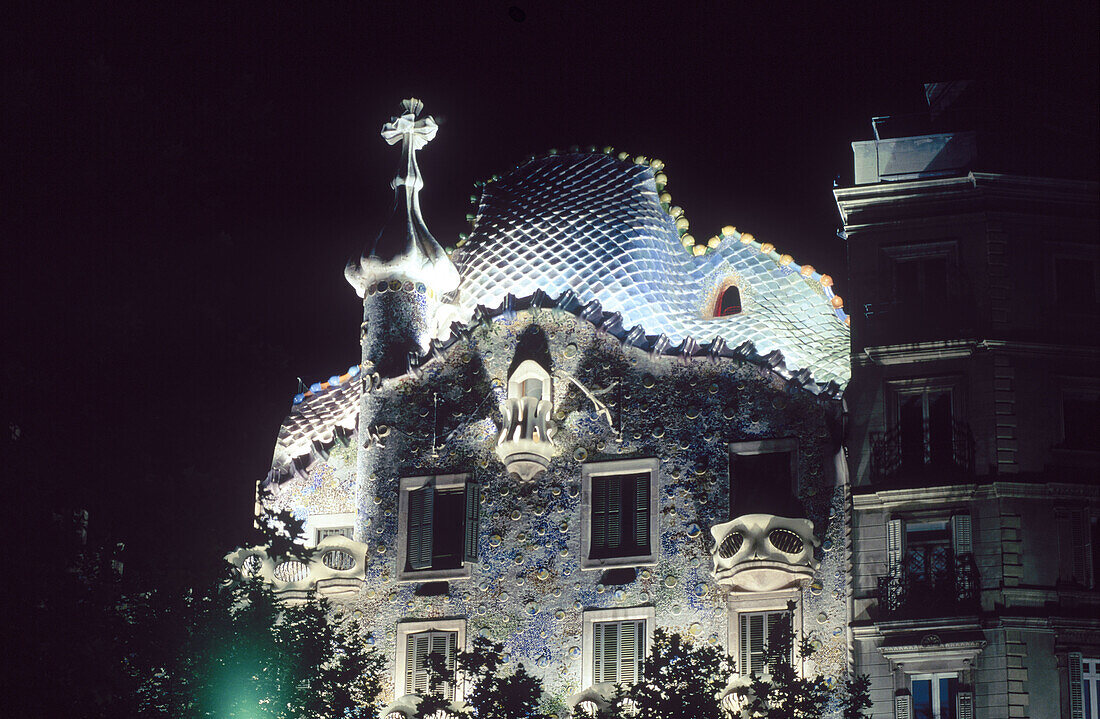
(316, 522)
(411, 484)
(594, 616)
(935, 680)
(1090, 685)
(404, 629)
(765, 446)
(621, 466)
(764, 602)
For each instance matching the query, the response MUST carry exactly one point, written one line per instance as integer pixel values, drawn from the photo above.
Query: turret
(403, 274)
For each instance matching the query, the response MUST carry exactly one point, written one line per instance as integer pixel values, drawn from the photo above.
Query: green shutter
(473, 518)
(641, 513)
(614, 511)
(752, 642)
(599, 515)
(421, 516)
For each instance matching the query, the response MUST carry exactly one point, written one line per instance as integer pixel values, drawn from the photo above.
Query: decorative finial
(406, 249)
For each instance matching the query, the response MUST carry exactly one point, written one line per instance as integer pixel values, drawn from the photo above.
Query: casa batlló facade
(577, 426)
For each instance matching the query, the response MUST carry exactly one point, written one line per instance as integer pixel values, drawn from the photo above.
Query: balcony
(950, 590)
(763, 553)
(946, 453)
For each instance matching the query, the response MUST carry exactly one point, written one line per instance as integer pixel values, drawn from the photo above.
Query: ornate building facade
(973, 409)
(579, 425)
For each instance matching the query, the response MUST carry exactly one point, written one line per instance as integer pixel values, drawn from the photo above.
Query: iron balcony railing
(897, 456)
(950, 590)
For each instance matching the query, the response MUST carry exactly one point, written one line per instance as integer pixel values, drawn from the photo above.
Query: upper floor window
(1084, 687)
(1080, 418)
(319, 527)
(763, 478)
(620, 513)
(930, 567)
(1078, 545)
(924, 429)
(921, 275)
(326, 532)
(1076, 276)
(729, 302)
(437, 527)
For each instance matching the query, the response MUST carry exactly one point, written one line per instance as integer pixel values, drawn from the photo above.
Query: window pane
(939, 428)
(911, 427)
(1080, 418)
(922, 699)
(448, 539)
(762, 484)
(949, 689)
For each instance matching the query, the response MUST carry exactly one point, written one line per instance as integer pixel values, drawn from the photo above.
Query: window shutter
(961, 537)
(416, 654)
(1076, 690)
(752, 643)
(599, 514)
(473, 517)
(628, 652)
(895, 541)
(597, 653)
(614, 511)
(607, 667)
(443, 643)
(641, 514)
(1080, 546)
(903, 707)
(421, 516)
(773, 619)
(964, 705)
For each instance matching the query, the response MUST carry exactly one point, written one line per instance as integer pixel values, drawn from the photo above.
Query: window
(325, 533)
(756, 630)
(321, 526)
(619, 514)
(1080, 418)
(419, 639)
(615, 644)
(930, 570)
(934, 696)
(437, 527)
(924, 428)
(1076, 278)
(1077, 543)
(927, 546)
(922, 275)
(618, 649)
(729, 302)
(762, 478)
(1084, 687)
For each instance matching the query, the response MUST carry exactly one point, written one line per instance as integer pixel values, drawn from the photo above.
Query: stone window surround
(620, 466)
(405, 628)
(315, 522)
(592, 616)
(896, 388)
(738, 604)
(409, 484)
(1079, 386)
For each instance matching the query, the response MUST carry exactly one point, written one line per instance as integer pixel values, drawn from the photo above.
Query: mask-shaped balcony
(525, 444)
(763, 553)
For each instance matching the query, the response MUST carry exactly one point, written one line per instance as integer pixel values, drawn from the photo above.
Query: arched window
(729, 302)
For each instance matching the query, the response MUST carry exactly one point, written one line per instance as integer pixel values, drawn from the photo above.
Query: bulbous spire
(405, 249)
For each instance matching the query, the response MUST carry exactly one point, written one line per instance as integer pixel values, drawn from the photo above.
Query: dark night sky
(185, 183)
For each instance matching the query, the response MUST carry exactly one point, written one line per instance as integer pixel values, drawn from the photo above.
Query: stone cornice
(952, 194)
(925, 496)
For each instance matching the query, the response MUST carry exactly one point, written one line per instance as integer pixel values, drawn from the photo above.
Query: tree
(679, 680)
(682, 680)
(491, 694)
(240, 651)
(784, 694)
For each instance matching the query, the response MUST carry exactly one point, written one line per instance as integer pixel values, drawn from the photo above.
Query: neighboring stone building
(580, 426)
(972, 441)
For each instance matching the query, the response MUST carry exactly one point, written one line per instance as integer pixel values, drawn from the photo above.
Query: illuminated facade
(972, 438)
(578, 426)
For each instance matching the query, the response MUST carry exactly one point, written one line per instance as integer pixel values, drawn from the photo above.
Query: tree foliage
(490, 692)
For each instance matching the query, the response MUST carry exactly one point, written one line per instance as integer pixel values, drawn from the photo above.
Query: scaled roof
(594, 224)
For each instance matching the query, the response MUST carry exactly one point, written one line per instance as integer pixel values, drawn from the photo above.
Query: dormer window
(729, 302)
